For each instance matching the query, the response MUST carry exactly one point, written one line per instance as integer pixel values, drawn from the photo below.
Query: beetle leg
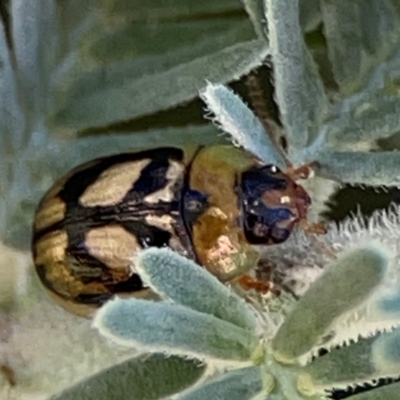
(316, 228)
(247, 282)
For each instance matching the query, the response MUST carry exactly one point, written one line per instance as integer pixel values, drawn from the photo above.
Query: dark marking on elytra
(132, 284)
(147, 235)
(152, 178)
(93, 299)
(76, 185)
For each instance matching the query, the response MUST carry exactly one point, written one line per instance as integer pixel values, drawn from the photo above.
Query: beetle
(209, 204)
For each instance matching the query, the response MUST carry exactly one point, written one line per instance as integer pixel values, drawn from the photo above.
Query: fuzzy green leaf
(255, 9)
(390, 392)
(128, 96)
(11, 118)
(35, 36)
(386, 353)
(161, 326)
(360, 362)
(241, 384)
(169, 43)
(310, 14)
(237, 120)
(13, 137)
(374, 169)
(354, 363)
(186, 283)
(90, 147)
(299, 89)
(94, 70)
(344, 286)
(374, 116)
(168, 9)
(148, 377)
(357, 33)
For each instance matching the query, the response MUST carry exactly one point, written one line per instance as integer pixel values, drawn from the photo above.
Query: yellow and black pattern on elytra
(90, 224)
(210, 204)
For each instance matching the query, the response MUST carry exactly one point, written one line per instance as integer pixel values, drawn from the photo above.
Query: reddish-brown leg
(317, 228)
(247, 282)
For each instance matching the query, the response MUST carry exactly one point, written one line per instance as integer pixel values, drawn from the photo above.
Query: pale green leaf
(396, 6)
(148, 377)
(372, 116)
(174, 329)
(147, 57)
(375, 169)
(186, 283)
(344, 286)
(35, 37)
(12, 135)
(90, 147)
(386, 353)
(241, 384)
(310, 14)
(167, 9)
(299, 89)
(360, 362)
(175, 42)
(76, 19)
(390, 392)
(256, 11)
(233, 117)
(84, 104)
(358, 34)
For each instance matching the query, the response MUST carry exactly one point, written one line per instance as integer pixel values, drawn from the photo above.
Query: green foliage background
(80, 80)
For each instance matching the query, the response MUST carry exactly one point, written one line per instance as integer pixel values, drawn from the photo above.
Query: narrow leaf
(11, 118)
(168, 9)
(129, 98)
(360, 362)
(241, 384)
(170, 42)
(186, 283)
(35, 35)
(386, 353)
(310, 14)
(390, 392)
(358, 33)
(148, 377)
(374, 169)
(237, 120)
(255, 9)
(299, 89)
(345, 285)
(170, 328)
(375, 116)
(87, 148)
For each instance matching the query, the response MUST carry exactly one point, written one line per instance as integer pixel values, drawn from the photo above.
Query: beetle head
(272, 204)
